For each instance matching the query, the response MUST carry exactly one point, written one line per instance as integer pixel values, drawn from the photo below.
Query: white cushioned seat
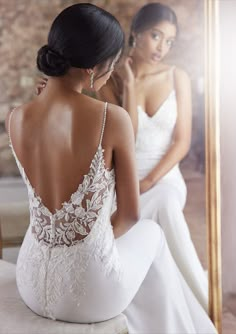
(17, 318)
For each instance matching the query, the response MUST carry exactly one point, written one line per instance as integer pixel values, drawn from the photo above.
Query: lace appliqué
(58, 247)
(157, 129)
(74, 221)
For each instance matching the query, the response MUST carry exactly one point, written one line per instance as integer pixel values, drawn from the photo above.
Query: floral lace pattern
(157, 129)
(74, 221)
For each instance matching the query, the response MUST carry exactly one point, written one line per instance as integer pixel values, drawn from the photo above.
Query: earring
(134, 43)
(91, 79)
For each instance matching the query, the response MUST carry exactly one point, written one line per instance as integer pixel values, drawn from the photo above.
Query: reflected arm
(122, 93)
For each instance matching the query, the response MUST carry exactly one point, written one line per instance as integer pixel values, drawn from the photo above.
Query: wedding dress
(164, 202)
(71, 268)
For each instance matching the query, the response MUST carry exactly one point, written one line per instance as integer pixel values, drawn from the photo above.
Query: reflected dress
(165, 201)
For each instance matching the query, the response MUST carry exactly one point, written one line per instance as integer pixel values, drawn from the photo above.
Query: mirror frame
(212, 149)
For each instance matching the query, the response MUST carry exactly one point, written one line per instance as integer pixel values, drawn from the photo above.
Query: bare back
(55, 143)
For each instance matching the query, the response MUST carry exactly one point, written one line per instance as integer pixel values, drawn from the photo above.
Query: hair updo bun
(51, 62)
(81, 36)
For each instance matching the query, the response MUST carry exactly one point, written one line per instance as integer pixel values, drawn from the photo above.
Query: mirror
(18, 85)
(212, 70)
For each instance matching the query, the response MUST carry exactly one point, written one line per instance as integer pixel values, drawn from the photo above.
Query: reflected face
(153, 45)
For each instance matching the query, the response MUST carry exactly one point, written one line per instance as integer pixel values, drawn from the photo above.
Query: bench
(17, 318)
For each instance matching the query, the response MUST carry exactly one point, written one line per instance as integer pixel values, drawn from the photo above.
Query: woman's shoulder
(182, 82)
(119, 122)
(117, 113)
(112, 90)
(180, 74)
(18, 111)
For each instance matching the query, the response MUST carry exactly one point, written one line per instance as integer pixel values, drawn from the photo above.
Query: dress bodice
(76, 217)
(66, 242)
(154, 135)
(155, 132)
(73, 222)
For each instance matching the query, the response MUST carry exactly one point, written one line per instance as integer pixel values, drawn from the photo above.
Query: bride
(157, 97)
(77, 263)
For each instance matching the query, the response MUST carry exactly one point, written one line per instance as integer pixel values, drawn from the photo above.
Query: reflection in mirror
(160, 49)
(186, 54)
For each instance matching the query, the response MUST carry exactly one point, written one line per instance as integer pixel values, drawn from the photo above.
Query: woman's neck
(142, 69)
(68, 82)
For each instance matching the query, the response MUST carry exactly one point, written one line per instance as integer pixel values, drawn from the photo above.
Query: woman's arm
(107, 93)
(182, 133)
(129, 94)
(126, 85)
(127, 186)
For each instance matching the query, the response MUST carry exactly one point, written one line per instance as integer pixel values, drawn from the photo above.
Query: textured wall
(24, 26)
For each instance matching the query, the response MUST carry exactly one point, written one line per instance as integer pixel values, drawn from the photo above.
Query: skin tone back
(147, 82)
(56, 135)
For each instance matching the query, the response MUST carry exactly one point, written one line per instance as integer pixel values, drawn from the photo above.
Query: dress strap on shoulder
(103, 123)
(172, 74)
(9, 124)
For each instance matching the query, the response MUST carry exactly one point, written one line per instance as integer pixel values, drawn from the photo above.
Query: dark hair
(149, 15)
(82, 35)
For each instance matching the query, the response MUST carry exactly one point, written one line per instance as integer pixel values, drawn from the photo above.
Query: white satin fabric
(165, 201)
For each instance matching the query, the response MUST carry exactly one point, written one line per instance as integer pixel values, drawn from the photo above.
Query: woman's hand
(126, 72)
(144, 185)
(40, 85)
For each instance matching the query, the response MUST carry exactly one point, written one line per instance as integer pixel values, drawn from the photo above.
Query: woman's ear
(89, 71)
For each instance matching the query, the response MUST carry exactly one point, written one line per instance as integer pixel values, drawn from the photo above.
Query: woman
(77, 263)
(157, 97)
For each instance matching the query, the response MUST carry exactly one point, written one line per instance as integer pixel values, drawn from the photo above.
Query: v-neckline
(160, 107)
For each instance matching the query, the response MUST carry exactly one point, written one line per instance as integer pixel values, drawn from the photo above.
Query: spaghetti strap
(172, 73)
(9, 124)
(103, 123)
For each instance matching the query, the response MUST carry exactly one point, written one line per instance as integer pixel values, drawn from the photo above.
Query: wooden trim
(12, 242)
(213, 205)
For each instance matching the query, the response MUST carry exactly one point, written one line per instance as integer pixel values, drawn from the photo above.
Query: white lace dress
(71, 268)
(165, 201)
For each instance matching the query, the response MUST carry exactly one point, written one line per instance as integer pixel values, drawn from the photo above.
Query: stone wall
(24, 25)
